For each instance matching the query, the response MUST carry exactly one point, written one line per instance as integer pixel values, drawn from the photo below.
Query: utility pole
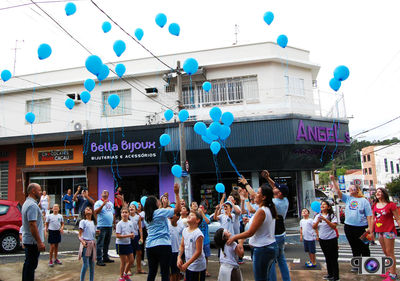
(236, 34)
(15, 54)
(186, 192)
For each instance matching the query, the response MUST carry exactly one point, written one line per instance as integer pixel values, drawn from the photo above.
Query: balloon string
(33, 148)
(116, 158)
(112, 160)
(335, 134)
(191, 92)
(216, 166)
(326, 142)
(230, 160)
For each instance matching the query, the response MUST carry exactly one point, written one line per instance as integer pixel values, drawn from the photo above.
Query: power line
(41, 2)
(386, 146)
(398, 117)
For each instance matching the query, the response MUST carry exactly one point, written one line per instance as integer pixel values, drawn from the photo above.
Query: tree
(341, 171)
(324, 178)
(394, 187)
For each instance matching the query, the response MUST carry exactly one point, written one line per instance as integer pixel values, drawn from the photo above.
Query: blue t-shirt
(204, 228)
(157, 229)
(282, 206)
(68, 198)
(106, 216)
(357, 210)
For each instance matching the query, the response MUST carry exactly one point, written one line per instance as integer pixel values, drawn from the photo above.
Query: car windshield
(4, 209)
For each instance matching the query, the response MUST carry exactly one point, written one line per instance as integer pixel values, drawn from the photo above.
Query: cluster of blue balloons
(340, 74)
(282, 39)
(95, 66)
(5, 75)
(173, 28)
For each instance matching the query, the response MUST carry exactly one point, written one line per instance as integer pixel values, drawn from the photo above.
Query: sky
(363, 35)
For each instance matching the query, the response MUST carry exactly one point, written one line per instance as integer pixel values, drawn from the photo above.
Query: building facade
(280, 125)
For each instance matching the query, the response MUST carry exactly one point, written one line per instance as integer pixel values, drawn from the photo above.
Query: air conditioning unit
(80, 125)
(75, 97)
(151, 92)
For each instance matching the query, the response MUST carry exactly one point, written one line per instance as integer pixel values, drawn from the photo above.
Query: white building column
(307, 192)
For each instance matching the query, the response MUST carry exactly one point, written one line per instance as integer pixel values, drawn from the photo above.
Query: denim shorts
(309, 246)
(207, 250)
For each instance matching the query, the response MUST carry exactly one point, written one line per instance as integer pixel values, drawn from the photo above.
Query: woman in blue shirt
(158, 241)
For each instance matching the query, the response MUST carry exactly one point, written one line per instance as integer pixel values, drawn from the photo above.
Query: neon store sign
(321, 133)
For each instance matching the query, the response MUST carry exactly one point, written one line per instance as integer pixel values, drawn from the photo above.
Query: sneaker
(100, 263)
(108, 260)
(57, 261)
(385, 275)
(51, 264)
(327, 277)
(121, 279)
(354, 270)
(241, 262)
(126, 277)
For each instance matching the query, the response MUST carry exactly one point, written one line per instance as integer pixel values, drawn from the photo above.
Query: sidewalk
(70, 271)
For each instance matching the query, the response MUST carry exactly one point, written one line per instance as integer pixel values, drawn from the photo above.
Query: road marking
(44, 254)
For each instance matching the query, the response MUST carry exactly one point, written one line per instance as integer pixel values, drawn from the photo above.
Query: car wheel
(9, 242)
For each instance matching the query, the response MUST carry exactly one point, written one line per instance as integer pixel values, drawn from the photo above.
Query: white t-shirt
(306, 226)
(265, 234)
(182, 222)
(227, 222)
(176, 236)
(135, 223)
(124, 228)
(89, 229)
(54, 221)
(142, 214)
(325, 231)
(190, 239)
(229, 255)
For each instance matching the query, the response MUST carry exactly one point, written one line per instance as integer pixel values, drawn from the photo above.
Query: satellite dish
(78, 126)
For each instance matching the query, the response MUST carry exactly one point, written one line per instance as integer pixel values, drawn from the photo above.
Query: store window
(364, 158)
(391, 167)
(369, 157)
(4, 180)
(124, 107)
(41, 109)
(370, 171)
(365, 171)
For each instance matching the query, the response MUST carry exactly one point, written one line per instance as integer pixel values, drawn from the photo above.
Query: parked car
(213, 227)
(10, 223)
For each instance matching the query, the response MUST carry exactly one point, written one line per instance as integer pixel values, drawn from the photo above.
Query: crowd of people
(175, 236)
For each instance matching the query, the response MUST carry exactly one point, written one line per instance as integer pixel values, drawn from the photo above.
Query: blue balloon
(165, 139)
(85, 97)
(70, 9)
(220, 188)
(93, 64)
(161, 20)
(139, 33)
(120, 69)
(227, 118)
(225, 132)
(119, 47)
(190, 66)
(30, 117)
(215, 147)
(172, 205)
(206, 139)
(215, 128)
(200, 128)
(282, 40)
(168, 114)
(44, 51)
(113, 100)
(316, 206)
(335, 84)
(341, 73)
(268, 17)
(106, 26)
(5, 75)
(210, 135)
(104, 71)
(143, 200)
(207, 86)
(174, 29)
(183, 115)
(215, 114)
(176, 170)
(89, 84)
(69, 103)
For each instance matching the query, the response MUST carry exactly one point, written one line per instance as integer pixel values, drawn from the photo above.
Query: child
(192, 245)
(124, 233)
(87, 248)
(326, 223)
(204, 229)
(229, 256)
(183, 217)
(136, 222)
(175, 230)
(227, 218)
(308, 235)
(55, 227)
(194, 206)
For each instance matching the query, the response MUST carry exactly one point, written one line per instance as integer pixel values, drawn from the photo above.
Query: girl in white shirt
(192, 245)
(87, 248)
(54, 228)
(136, 221)
(124, 233)
(227, 219)
(229, 256)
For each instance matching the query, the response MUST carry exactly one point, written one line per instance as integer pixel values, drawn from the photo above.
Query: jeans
(87, 262)
(195, 275)
(263, 258)
(330, 250)
(280, 240)
(31, 262)
(69, 212)
(353, 234)
(159, 255)
(103, 242)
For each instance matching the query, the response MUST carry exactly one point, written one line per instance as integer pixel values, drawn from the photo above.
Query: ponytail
(269, 194)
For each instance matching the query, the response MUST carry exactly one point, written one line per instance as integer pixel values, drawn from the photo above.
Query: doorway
(134, 187)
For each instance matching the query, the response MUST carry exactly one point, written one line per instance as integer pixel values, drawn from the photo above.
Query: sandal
(141, 272)
(208, 274)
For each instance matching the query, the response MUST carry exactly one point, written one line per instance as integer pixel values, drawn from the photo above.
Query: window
(391, 167)
(41, 109)
(371, 183)
(365, 158)
(294, 85)
(398, 168)
(369, 157)
(170, 88)
(124, 107)
(365, 171)
(370, 171)
(386, 165)
(4, 180)
(223, 91)
(4, 209)
(365, 182)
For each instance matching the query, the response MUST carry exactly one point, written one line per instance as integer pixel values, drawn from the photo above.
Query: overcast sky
(362, 35)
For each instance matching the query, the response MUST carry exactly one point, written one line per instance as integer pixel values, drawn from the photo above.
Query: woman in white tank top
(44, 202)
(261, 233)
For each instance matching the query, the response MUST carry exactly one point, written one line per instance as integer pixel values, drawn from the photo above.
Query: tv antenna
(236, 34)
(15, 53)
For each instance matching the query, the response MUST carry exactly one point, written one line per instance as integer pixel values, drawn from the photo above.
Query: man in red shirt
(118, 202)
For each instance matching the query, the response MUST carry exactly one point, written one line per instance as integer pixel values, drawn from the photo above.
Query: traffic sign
(342, 186)
(341, 179)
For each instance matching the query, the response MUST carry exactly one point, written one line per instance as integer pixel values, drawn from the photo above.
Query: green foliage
(341, 171)
(394, 187)
(323, 178)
